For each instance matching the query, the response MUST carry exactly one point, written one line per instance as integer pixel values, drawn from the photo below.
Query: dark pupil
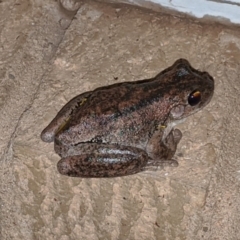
(194, 98)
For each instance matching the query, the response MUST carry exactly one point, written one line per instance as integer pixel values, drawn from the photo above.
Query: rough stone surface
(48, 55)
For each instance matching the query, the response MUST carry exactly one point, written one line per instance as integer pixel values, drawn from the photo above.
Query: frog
(128, 127)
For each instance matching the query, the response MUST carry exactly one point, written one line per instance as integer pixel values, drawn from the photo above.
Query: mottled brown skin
(127, 128)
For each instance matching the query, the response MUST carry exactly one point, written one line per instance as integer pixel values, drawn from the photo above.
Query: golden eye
(194, 97)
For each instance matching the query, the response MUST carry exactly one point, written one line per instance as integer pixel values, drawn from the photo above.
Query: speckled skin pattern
(126, 128)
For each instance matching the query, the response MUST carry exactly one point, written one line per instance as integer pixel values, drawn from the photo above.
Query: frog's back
(116, 112)
(117, 100)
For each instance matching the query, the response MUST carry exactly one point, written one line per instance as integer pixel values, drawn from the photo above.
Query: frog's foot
(172, 140)
(162, 153)
(101, 160)
(154, 165)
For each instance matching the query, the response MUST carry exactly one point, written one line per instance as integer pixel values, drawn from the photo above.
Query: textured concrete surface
(49, 54)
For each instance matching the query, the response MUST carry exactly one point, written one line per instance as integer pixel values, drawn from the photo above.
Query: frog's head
(192, 89)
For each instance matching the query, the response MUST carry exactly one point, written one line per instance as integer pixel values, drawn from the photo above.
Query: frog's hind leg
(162, 152)
(93, 160)
(63, 117)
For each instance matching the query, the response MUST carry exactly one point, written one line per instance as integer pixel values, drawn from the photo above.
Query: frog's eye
(194, 97)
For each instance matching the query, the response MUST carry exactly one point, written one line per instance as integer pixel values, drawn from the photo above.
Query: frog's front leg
(160, 151)
(92, 160)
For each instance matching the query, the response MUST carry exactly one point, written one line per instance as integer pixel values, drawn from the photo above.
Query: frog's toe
(177, 134)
